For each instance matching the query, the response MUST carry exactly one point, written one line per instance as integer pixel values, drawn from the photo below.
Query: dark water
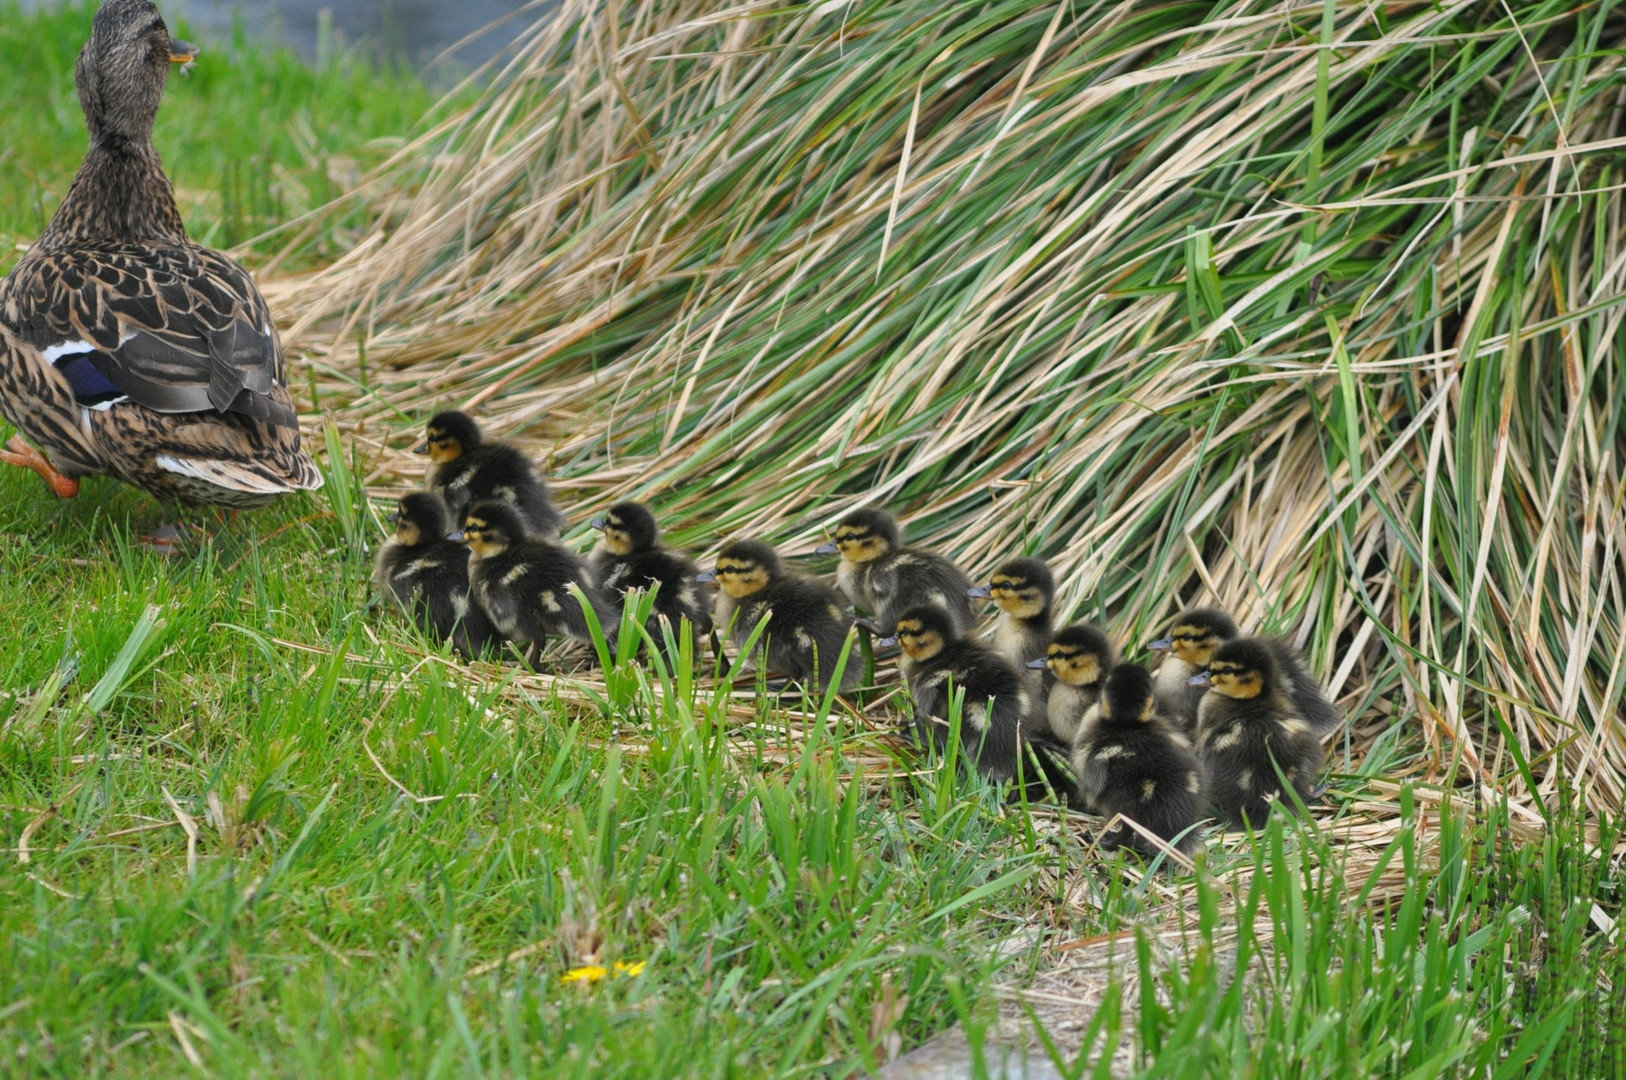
(418, 31)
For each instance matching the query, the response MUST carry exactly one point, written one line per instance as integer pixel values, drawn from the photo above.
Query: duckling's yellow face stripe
(859, 545)
(1076, 667)
(617, 540)
(443, 447)
(481, 542)
(1016, 597)
(740, 578)
(919, 642)
(1236, 681)
(408, 532)
(1194, 645)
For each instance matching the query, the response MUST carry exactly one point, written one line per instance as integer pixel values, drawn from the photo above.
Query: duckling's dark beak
(421, 448)
(182, 52)
(706, 577)
(1202, 678)
(455, 534)
(1039, 664)
(888, 642)
(393, 518)
(1162, 644)
(827, 549)
(596, 523)
(980, 592)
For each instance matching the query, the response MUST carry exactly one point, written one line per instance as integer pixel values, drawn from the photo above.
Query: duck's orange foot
(18, 452)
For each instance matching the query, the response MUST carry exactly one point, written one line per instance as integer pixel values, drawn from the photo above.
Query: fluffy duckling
(1024, 590)
(1190, 645)
(1188, 648)
(630, 556)
(807, 630)
(465, 469)
(428, 576)
(1135, 761)
(996, 717)
(1079, 658)
(883, 577)
(1247, 728)
(521, 582)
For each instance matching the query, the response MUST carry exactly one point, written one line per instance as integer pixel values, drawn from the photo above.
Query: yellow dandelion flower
(592, 973)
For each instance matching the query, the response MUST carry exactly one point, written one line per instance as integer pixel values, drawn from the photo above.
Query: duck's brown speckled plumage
(125, 348)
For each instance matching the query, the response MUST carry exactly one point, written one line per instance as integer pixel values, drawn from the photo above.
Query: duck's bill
(596, 523)
(826, 549)
(456, 534)
(1162, 644)
(980, 592)
(1039, 664)
(706, 577)
(421, 448)
(1202, 678)
(888, 642)
(182, 52)
(393, 518)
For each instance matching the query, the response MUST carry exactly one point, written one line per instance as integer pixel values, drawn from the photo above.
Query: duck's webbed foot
(18, 452)
(172, 538)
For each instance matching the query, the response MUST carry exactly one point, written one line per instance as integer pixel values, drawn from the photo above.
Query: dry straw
(1310, 309)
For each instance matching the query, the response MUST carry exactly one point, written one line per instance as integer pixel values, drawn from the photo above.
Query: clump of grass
(1306, 309)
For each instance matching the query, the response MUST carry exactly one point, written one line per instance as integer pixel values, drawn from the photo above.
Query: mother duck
(125, 348)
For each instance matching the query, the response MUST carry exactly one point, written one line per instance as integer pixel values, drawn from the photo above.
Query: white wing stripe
(56, 352)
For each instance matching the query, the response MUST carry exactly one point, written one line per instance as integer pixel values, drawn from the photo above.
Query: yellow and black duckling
(1135, 761)
(464, 469)
(125, 348)
(1188, 648)
(1247, 729)
(883, 577)
(522, 582)
(630, 556)
(1192, 641)
(807, 631)
(428, 576)
(1024, 590)
(996, 719)
(1079, 656)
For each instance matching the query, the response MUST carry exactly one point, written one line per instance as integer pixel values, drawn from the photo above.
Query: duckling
(1196, 634)
(126, 348)
(1247, 728)
(1079, 657)
(1024, 589)
(806, 634)
(1188, 648)
(630, 555)
(996, 720)
(1137, 762)
(428, 576)
(881, 576)
(464, 469)
(521, 582)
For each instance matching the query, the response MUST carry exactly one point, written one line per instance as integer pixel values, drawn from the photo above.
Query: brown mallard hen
(125, 348)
